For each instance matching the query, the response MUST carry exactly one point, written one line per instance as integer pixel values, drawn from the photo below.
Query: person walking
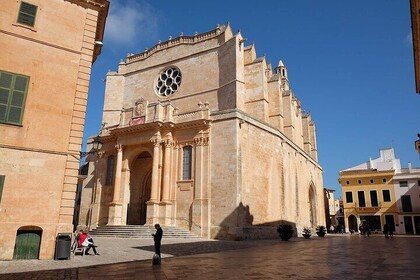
(390, 230)
(386, 231)
(157, 238)
(367, 229)
(361, 230)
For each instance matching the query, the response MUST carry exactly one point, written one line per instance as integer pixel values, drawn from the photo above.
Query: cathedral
(200, 133)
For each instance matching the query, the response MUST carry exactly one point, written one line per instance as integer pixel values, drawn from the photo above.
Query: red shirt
(82, 238)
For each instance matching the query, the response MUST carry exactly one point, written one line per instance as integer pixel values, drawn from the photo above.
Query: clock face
(168, 81)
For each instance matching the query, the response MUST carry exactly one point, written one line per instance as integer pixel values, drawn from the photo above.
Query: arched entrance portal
(312, 207)
(140, 186)
(352, 223)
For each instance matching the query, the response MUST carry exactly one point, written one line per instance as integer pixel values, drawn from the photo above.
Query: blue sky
(350, 64)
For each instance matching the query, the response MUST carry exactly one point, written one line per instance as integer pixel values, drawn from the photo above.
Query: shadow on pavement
(193, 248)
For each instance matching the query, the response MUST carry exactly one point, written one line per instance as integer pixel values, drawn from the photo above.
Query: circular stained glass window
(168, 81)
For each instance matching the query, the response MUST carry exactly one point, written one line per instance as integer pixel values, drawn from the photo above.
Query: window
(13, 89)
(109, 170)
(349, 197)
(371, 181)
(348, 182)
(386, 195)
(361, 197)
(406, 203)
(1, 185)
(186, 163)
(374, 199)
(27, 13)
(359, 182)
(384, 180)
(168, 82)
(403, 184)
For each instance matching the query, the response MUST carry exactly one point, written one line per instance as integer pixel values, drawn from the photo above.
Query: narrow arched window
(110, 171)
(186, 162)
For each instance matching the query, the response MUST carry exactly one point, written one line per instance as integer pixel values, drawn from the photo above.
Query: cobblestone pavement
(332, 257)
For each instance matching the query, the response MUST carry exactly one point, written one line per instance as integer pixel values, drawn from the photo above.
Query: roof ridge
(181, 39)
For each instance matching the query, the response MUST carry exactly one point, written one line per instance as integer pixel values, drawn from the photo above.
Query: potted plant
(307, 232)
(321, 231)
(285, 231)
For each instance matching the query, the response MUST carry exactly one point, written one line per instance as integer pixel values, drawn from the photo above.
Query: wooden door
(417, 224)
(28, 243)
(408, 225)
(389, 219)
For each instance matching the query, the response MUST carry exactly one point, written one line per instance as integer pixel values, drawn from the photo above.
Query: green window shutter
(13, 89)
(1, 185)
(27, 13)
(5, 85)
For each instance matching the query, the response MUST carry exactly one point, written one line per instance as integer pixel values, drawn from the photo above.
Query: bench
(75, 248)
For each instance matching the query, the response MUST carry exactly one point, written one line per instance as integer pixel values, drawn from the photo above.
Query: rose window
(168, 81)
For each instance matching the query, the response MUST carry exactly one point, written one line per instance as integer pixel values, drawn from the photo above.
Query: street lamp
(417, 144)
(95, 146)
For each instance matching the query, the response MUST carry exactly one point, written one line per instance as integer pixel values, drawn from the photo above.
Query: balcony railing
(368, 209)
(413, 210)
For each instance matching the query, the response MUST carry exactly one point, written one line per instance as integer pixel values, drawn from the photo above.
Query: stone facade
(200, 133)
(52, 45)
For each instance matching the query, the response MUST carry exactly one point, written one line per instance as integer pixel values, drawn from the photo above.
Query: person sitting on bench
(86, 241)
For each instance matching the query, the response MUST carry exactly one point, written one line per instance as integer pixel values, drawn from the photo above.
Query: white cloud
(130, 22)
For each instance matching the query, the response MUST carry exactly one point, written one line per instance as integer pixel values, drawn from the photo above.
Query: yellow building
(368, 192)
(47, 51)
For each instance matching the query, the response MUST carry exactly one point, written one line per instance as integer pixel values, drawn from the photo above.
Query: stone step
(137, 231)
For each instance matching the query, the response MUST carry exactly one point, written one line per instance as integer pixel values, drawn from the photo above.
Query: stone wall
(252, 145)
(40, 157)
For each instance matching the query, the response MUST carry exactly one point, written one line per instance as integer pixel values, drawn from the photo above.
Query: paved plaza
(332, 257)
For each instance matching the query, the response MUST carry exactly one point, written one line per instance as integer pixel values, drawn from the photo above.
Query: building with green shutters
(47, 51)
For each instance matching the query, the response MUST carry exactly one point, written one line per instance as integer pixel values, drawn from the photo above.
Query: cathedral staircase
(138, 231)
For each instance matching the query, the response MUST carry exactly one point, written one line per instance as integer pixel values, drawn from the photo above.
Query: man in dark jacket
(157, 237)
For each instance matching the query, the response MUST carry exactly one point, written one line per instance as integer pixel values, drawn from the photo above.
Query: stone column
(154, 194)
(96, 193)
(167, 167)
(117, 179)
(200, 207)
(166, 204)
(115, 208)
(153, 204)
